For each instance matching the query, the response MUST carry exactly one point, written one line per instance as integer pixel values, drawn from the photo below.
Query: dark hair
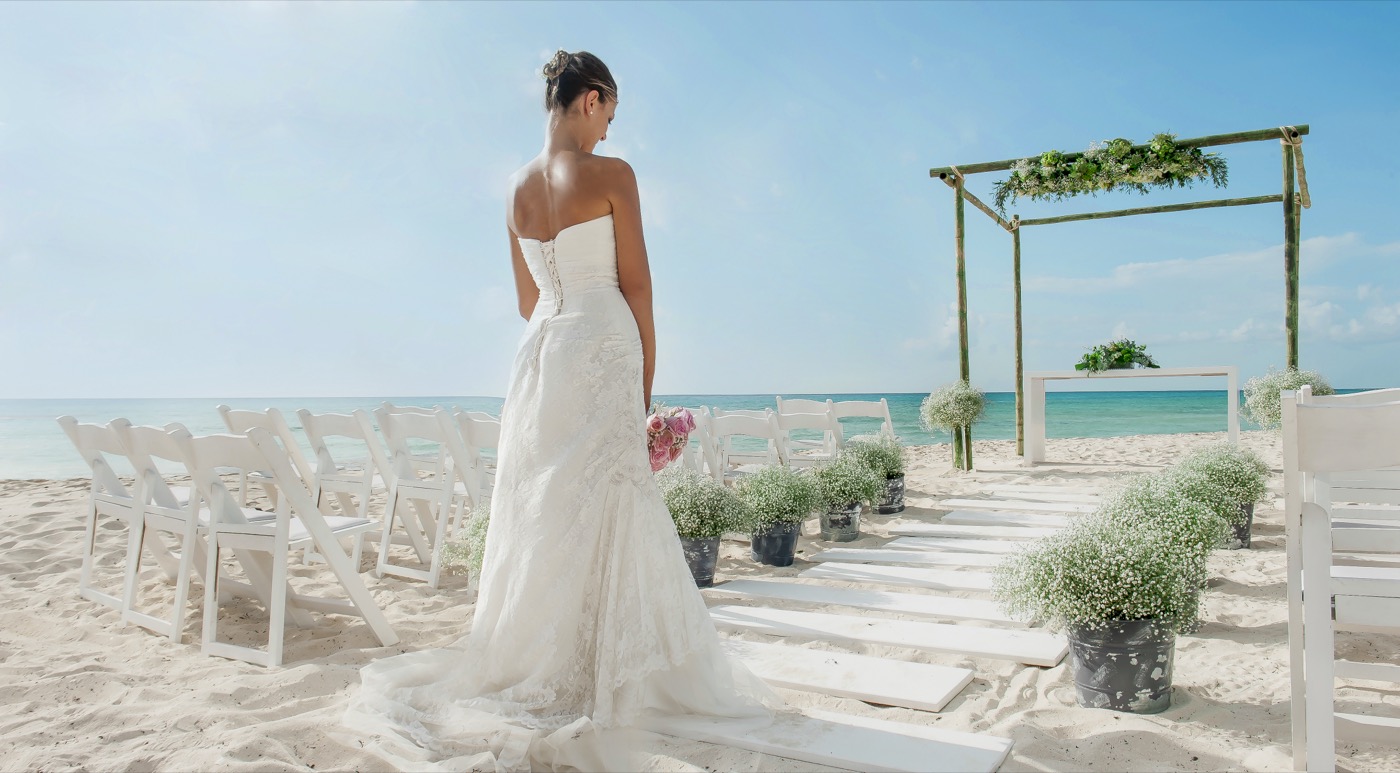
(567, 76)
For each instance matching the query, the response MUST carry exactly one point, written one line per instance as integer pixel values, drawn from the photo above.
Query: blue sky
(306, 199)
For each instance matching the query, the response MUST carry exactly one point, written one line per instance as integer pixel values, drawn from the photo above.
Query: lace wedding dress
(587, 619)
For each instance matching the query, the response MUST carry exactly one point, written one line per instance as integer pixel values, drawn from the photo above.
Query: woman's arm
(525, 288)
(633, 272)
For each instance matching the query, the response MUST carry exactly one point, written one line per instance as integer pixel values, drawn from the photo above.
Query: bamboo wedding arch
(1294, 199)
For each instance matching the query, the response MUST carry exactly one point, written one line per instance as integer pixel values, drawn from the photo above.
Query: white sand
(83, 691)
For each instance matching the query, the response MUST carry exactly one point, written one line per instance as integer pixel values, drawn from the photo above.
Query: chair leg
(1319, 685)
(89, 550)
(136, 535)
(277, 625)
(211, 594)
(390, 512)
(182, 585)
(435, 565)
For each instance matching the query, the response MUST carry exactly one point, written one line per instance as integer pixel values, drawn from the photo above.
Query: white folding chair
(239, 421)
(481, 439)
(1323, 441)
(701, 453)
(866, 409)
(350, 481)
(108, 497)
(799, 414)
(726, 426)
(432, 490)
(298, 524)
(163, 511)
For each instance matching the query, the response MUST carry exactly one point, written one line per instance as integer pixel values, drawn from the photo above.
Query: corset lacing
(556, 289)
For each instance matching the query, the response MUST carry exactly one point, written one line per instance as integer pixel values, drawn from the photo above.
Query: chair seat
(340, 526)
(1366, 581)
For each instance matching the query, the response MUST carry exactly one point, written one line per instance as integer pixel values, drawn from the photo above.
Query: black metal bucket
(776, 545)
(1242, 530)
(841, 524)
(894, 497)
(1126, 666)
(701, 554)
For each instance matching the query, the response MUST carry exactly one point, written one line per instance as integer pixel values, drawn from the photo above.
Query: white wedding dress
(587, 619)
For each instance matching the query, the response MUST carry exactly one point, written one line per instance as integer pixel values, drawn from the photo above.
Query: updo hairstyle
(568, 76)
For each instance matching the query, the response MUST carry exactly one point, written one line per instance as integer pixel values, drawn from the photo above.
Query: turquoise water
(33, 446)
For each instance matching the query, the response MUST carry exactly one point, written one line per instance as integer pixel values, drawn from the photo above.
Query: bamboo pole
(1251, 200)
(1290, 256)
(957, 448)
(1208, 141)
(964, 363)
(976, 202)
(1016, 295)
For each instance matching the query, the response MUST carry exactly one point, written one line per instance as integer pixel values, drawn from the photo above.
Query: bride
(587, 619)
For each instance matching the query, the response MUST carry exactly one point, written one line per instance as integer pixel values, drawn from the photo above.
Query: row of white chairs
(206, 520)
(716, 453)
(1342, 517)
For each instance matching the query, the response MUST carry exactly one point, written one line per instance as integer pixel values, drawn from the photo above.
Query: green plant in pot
(843, 485)
(1229, 478)
(1263, 403)
(702, 509)
(465, 554)
(954, 408)
(778, 499)
(1115, 355)
(1122, 582)
(885, 456)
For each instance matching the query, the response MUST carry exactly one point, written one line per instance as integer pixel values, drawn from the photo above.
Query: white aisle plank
(839, 741)
(907, 576)
(1034, 496)
(971, 531)
(925, 605)
(1040, 488)
(1016, 505)
(958, 545)
(993, 518)
(888, 682)
(1034, 648)
(885, 556)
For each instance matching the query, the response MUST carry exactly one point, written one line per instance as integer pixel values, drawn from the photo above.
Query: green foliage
(700, 506)
(846, 480)
(952, 407)
(1263, 404)
(1113, 165)
(1116, 355)
(775, 495)
(466, 553)
(881, 453)
(1142, 555)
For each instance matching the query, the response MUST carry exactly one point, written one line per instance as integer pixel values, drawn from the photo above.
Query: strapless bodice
(581, 258)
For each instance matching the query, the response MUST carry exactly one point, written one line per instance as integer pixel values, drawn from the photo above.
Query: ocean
(33, 446)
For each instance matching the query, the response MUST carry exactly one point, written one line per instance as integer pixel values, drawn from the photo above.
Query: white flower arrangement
(1142, 555)
(701, 507)
(465, 554)
(881, 453)
(1240, 473)
(777, 495)
(847, 481)
(952, 407)
(1263, 404)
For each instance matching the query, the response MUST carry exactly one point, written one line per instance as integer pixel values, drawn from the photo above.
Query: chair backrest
(867, 409)
(703, 452)
(239, 421)
(205, 455)
(355, 426)
(480, 431)
(802, 405)
(144, 445)
(413, 409)
(727, 425)
(95, 443)
(400, 430)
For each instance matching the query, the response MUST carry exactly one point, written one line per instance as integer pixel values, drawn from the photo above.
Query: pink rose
(655, 423)
(665, 439)
(676, 451)
(659, 458)
(677, 425)
(689, 420)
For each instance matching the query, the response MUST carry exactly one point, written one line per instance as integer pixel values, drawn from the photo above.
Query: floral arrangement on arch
(668, 431)
(1114, 164)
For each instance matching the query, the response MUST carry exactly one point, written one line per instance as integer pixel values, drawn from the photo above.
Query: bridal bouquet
(668, 430)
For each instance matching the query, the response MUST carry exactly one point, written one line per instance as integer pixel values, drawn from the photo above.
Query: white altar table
(1035, 398)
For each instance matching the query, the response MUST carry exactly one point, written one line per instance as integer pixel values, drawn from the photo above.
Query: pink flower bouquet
(668, 430)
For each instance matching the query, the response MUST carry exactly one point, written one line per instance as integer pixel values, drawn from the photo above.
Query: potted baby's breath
(702, 509)
(1231, 479)
(843, 485)
(1122, 582)
(465, 553)
(885, 456)
(777, 498)
(954, 407)
(1263, 403)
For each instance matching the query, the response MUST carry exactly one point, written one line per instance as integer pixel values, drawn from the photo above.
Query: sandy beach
(82, 691)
